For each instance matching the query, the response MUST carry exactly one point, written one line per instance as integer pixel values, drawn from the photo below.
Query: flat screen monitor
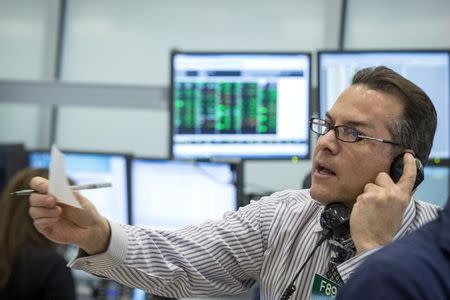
(169, 194)
(428, 69)
(85, 168)
(240, 105)
(435, 186)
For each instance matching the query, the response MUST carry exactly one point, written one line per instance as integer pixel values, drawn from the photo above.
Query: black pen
(72, 187)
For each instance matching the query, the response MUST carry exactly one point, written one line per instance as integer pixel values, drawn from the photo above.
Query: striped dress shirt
(265, 241)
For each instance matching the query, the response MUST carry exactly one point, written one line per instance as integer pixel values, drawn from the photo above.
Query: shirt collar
(317, 226)
(408, 217)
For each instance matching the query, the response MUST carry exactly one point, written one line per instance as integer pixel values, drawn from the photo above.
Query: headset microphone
(334, 221)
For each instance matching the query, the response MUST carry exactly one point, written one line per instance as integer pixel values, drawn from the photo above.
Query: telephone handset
(335, 220)
(396, 170)
(336, 216)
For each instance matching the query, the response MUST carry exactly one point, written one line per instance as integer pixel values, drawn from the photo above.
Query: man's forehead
(350, 119)
(360, 106)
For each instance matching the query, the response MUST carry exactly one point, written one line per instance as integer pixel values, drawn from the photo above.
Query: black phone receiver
(396, 170)
(335, 218)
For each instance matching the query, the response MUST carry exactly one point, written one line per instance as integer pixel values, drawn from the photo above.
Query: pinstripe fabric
(265, 241)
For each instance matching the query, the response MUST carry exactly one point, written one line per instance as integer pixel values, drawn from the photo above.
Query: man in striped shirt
(380, 116)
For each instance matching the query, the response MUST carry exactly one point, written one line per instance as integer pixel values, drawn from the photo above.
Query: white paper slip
(58, 183)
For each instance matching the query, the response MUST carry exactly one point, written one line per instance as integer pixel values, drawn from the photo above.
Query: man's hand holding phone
(378, 212)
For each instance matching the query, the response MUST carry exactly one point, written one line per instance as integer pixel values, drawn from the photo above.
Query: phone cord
(326, 234)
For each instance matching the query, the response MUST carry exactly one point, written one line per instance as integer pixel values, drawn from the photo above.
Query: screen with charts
(169, 194)
(86, 168)
(435, 186)
(428, 69)
(240, 105)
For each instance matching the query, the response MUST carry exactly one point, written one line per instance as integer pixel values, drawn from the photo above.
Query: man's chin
(326, 197)
(323, 196)
(320, 195)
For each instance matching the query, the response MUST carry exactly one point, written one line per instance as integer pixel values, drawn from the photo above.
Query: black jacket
(39, 273)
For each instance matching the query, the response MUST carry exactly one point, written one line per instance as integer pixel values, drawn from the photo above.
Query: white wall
(130, 41)
(137, 131)
(24, 123)
(26, 53)
(26, 33)
(398, 24)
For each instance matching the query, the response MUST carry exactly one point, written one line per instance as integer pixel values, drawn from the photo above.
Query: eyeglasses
(342, 132)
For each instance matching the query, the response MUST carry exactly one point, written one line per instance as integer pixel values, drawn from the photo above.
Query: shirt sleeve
(346, 268)
(220, 257)
(113, 257)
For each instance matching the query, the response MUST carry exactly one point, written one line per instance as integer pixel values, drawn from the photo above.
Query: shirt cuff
(347, 267)
(113, 257)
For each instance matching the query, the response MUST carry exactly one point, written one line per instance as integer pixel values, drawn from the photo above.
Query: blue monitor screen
(85, 168)
(173, 194)
(435, 187)
(427, 69)
(138, 294)
(240, 105)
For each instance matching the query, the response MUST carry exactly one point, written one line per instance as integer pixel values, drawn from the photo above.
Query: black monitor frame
(13, 158)
(171, 101)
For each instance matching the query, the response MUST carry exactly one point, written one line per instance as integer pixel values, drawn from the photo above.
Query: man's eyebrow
(351, 123)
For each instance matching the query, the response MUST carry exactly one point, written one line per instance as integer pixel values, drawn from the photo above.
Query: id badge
(323, 288)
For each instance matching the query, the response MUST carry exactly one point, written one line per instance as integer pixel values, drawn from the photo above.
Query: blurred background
(95, 77)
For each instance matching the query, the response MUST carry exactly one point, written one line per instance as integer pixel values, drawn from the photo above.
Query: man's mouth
(325, 171)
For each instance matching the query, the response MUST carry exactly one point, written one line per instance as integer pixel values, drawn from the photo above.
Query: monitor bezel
(234, 158)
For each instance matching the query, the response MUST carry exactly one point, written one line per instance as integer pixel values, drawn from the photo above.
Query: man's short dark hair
(417, 127)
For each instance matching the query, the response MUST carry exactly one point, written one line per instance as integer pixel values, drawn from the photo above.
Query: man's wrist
(99, 238)
(367, 246)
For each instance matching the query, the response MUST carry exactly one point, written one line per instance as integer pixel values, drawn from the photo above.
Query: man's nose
(330, 134)
(328, 141)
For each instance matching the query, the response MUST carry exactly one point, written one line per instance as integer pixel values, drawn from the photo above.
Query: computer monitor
(13, 158)
(435, 186)
(87, 167)
(240, 105)
(168, 194)
(428, 69)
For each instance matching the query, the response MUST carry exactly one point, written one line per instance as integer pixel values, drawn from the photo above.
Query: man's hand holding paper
(66, 217)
